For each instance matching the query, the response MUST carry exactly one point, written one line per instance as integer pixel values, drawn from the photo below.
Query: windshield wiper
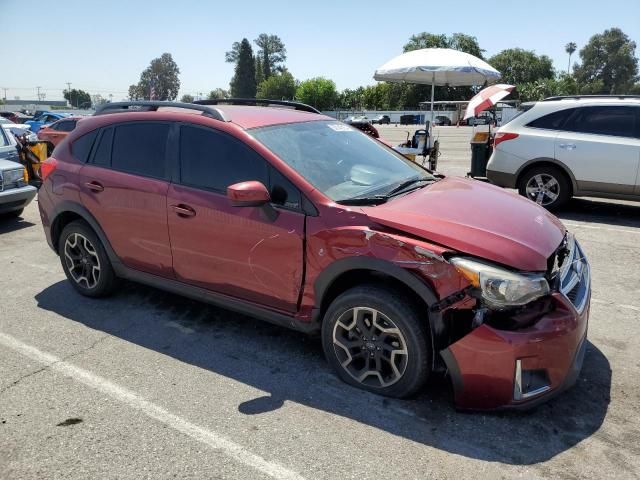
(372, 200)
(406, 184)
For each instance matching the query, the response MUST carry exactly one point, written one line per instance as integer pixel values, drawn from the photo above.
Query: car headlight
(501, 288)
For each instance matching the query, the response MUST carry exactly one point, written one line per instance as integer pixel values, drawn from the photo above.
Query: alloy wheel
(82, 260)
(543, 189)
(370, 347)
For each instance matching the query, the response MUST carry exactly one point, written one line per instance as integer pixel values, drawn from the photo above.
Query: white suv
(571, 146)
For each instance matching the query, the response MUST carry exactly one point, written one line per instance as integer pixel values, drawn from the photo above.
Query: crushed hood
(478, 219)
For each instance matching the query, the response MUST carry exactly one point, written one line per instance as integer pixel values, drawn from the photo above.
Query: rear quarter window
(81, 147)
(552, 121)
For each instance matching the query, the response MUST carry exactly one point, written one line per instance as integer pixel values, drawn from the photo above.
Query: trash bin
(480, 153)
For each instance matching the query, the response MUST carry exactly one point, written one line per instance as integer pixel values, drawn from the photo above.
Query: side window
(4, 140)
(140, 148)
(81, 147)
(215, 160)
(283, 192)
(605, 120)
(552, 121)
(102, 157)
(66, 126)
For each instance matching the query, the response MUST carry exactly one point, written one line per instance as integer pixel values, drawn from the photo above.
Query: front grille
(575, 275)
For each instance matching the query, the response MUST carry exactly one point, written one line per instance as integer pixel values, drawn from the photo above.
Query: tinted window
(214, 160)
(553, 121)
(102, 156)
(81, 147)
(617, 121)
(66, 126)
(140, 148)
(283, 192)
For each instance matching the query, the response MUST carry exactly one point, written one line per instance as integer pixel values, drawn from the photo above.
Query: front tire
(375, 340)
(546, 185)
(85, 261)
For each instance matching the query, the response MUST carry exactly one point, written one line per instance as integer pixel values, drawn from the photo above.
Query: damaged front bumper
(492, 368)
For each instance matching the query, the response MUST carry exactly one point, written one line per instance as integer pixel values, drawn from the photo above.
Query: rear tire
(375, 340)
(548, 186)
(85, 261)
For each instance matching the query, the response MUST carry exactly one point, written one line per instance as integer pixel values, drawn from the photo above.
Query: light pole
(69, 90)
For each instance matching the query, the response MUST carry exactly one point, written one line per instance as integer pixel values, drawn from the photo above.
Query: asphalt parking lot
(150, 385)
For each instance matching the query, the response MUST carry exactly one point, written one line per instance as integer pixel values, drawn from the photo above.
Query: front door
(601, 148)
(124, 186)
(251, 253)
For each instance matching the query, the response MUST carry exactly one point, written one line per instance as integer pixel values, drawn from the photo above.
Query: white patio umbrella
(437, 66)
(487, 98)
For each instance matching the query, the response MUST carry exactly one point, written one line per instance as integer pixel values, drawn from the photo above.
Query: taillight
(503, 137)
(48, 167)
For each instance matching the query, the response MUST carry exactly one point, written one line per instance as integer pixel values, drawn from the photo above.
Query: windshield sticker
(340, 127)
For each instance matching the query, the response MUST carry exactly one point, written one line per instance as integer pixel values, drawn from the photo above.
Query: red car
(57, 131)
(290, 216)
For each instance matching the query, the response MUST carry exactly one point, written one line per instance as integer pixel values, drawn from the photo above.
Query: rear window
(552, 121)
(66, 126)
(81, 147)
(102, 157)
(140, 148)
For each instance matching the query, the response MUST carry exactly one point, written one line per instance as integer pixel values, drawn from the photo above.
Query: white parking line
(598, 227)
(207, 437)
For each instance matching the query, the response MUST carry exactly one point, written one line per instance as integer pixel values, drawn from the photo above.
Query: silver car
(15, 194)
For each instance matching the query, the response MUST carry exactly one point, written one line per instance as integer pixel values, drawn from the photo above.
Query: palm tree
(570, 48)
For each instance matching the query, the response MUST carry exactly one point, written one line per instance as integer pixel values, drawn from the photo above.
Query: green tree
(259, 72)
(318, 92)
(186, 98)
(159, 80)
(457, 41)
(519, 66)
(135, 92)
(278, 87)
(77, 97)
(272, 53)
(570, 48)
(608, 64)
(243, 83)
(564, 84)
(218, 93)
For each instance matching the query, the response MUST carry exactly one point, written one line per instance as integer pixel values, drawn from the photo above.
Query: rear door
(252, 253)
(600, 146)
(124, 186)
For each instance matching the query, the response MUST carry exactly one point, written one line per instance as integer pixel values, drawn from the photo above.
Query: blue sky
(102, 47)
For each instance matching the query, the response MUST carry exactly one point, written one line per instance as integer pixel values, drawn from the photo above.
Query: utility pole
(69, 90)
(38, 92)
(5, 92)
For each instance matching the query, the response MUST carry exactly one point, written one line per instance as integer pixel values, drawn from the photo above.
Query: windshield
(340, 161)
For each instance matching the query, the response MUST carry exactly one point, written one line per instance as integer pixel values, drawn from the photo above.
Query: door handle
(94, 186)
(568, 146)
(184, 210)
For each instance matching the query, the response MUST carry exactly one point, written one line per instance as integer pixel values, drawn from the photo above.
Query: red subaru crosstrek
(285, 214)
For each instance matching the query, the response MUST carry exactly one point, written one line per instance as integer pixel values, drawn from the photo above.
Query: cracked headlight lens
(501, 288)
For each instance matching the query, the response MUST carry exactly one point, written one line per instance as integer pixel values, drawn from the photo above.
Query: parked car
(17, 129)
(442, 120)
(357, 119)
(381, 120)
(290, 216)
(15, 194)
(43, 119)
(570, 146)
(57, 131)
(480, 120)
(15, 117)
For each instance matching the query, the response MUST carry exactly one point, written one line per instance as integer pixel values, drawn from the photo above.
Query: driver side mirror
(248, 194)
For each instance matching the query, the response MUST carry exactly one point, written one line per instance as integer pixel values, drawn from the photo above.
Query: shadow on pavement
(13, 224)
(290, 366)
(602, 211)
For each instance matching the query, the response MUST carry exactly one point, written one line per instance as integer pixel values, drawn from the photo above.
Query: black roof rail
(578, 97)
(153, 105)
(303, 107)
